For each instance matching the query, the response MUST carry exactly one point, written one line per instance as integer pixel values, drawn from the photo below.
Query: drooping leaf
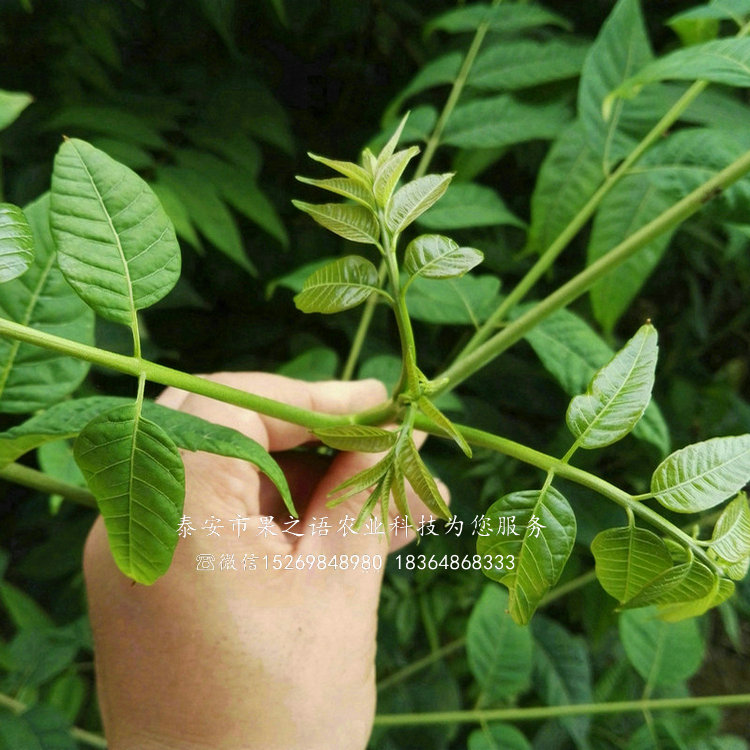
(702, 475)
(731, 537)
(362, 438)
(539, 552)
(12, 103)
(569, 176)
(388, 175)
(499, 651)
(619, 51)
(502, 121)
(466, 300)
(505, 19)
(496, 736)
(675, 611)
(16, 242)
(413, 199)
(136, 474)
(413, 468)
(116, 246)
(466, 204)
(662, 653)
(343, 186)
(628, 559)
(355, 223)
(618, 395)
(30, 377)
(434, 256)
(340, 285)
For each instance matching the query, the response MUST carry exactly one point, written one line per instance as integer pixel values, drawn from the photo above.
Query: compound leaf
(702, 475)
(362, 438)
(136, 474)
(355, 223)
(337, 286)
(731, 537)
(344, 186)
(116, 246)
(16, 242)
(414, 198)
(346, 168)
(390, 173)
(539, 555)
(413, 468)
(618, 395)
(437, 257)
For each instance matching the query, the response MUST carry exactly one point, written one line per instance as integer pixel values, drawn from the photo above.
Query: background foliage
(215, 104)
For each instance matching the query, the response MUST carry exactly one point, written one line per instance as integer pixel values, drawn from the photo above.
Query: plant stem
(554, 712)
(38, 480)
(465, 366)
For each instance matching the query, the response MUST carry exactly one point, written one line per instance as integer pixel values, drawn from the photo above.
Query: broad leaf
(340, 285)
(437, 257)
(466, 205)
(344, 186)
(731, 537)
(413, 468)
(355, 223)
(388, 175)
(467, 300)
(502, 121)
(16, 242)
(539, 552)
(702, 475)
(618, 394)
(135, 472)
(662, 653)
(628, 559)
(505, 19)
(414, 198)
(357, 438)
(621, 49)
(674, 612)
(12, 103)
(498, 650)
(30, 377)
(116, 246)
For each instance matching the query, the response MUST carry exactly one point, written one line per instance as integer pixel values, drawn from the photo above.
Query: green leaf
(505, 19)
(389, 149)
(438, 72)
(466, 300)
(467, 205)
(414, 198)
(346, 168)
(36, 655)
(522, 63)
(67, 693)
(502, 121)
(562, 673)
(572, 352)
(116, 246)
(674, 612)
(432, 412)
(340, 285)
(38, 728)
(357, 438)
(22, 610)
(136, 474)
(16, 242)
(662, 653)
(12, 103)
(388, 175)
(178, 213)
(355, 223)
(731, 537)
(413, 468)
(314, 364)
(437, 257)
(702, 475)
(498, 650)
(362, 481)
(620, 49)
(618, 395)
(498, 737)
(32, 378)
(569, 176)
(540, 552)
(344, 186)
(735, 10)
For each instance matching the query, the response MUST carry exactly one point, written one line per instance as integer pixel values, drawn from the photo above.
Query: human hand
(257, 659)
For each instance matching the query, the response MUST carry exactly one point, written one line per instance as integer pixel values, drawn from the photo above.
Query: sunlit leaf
(16, 242)
(116, 246)
(618, 394)
(357, 438)
(702, 475)
(539, 551)
(346, 168)
(388, 175)
(731, 537)
(344, 186)
(340, 285)
(414, 198)
(355, 223)
(437, 257)
(390, 147)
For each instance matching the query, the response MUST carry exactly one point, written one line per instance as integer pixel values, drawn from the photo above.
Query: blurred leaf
(67, 694)
(16, 242)
(505, 19)
(467, 205)
(498, 650)
(220, 14)
(413, 199)
(12, 103)
(735, 10)
(23, 611)
(434, 256)
(130, 154)
(38, 728)
(178, 213)
(355, 223)
(39, 654)
(317, 363)
(338, 286)
(466, 300)
(498, 737)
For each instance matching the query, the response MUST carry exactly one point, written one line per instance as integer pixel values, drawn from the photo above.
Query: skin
(251, 660)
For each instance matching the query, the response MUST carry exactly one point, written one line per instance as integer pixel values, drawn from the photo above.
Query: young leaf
(662, 653)
(723, 589)
(135, 472)
(355, 223)
(388, 175)
(379, 496)
(628, 559)
(399, 496)
(390, 147)
(432, 412)
(539, 553)
(436, 257)
(618, 394)
(346, 168)
(344, 186)
(32, 378)
(731, 537)
(499, 651)
(12, 103)
(702, 475)
(116, 246)
(357, 438)
(16, 242)
(414, 198)
(413, 468)
(340, 285)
